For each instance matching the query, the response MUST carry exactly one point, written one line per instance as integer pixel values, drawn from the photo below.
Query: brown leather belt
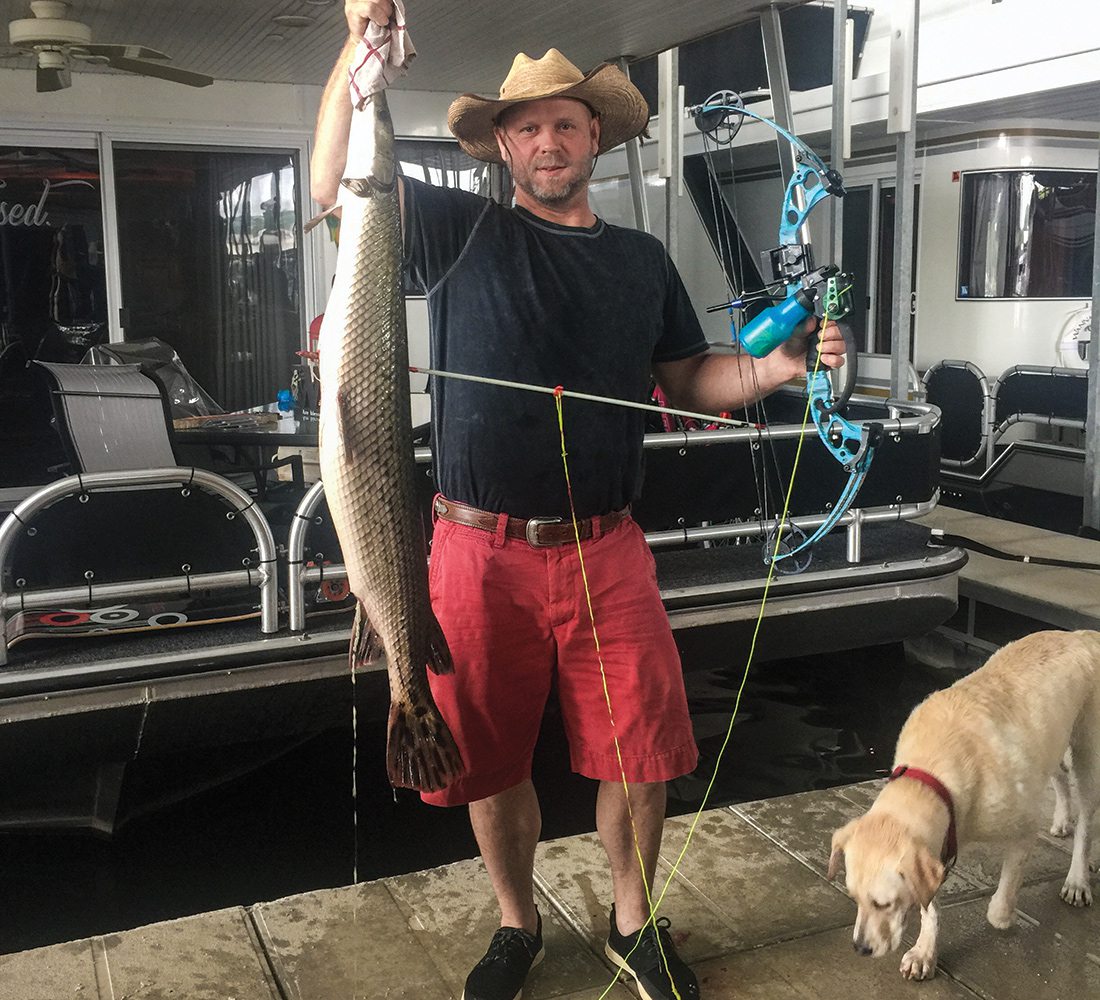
(538, 532)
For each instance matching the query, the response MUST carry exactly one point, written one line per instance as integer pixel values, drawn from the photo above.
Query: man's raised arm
(330, 138)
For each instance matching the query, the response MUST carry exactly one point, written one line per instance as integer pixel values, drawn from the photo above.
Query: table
(288, 430)
(262, 439)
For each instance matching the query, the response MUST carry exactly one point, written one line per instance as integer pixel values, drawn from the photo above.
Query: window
(857, 256)
(444, 164)
(209, 260)
(53, 303)
(1027, 234)
(883, 311)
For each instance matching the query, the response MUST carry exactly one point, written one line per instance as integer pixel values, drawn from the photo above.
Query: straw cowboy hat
(622, 110)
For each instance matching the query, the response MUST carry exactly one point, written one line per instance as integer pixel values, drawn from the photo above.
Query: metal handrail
(853, 519)
(995, 431)
(265, 575)
(921, 418)
(298, 574)
(983, 418)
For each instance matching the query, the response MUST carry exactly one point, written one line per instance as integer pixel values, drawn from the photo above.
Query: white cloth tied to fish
(381, 57)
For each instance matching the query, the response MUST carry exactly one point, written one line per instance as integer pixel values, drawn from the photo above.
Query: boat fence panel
(1051, 392)
(1037, 395)
(700, 488)
(961, 391)
(16, 597)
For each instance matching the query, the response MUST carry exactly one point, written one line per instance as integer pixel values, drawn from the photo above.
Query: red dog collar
(951, 842)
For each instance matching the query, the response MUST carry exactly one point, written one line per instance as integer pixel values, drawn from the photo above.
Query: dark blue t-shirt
(512, 296)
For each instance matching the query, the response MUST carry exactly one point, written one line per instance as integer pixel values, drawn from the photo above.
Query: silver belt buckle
(531, 528)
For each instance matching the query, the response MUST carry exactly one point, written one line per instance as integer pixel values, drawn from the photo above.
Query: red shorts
(514, 616)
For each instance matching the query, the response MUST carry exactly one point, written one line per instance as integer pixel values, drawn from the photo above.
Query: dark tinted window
(1027, 234)
(52, 294)
(208, 253)
(444, 164)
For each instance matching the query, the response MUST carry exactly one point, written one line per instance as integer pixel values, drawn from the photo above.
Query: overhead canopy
(465, 46)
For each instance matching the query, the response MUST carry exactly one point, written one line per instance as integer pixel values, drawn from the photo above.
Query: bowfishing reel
(720, 116)
(825, 293)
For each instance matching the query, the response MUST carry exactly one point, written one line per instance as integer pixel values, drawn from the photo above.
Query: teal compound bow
(823, 291)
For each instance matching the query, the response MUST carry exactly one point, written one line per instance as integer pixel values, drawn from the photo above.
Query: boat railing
(301, 573)
(901, 419)
(904, 418)
(1040, 395)
(977, 414)
(264, 575)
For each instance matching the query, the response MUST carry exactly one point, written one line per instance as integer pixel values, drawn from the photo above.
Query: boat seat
(110, 417)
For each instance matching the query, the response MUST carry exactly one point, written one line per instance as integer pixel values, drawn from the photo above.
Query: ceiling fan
(57, 42)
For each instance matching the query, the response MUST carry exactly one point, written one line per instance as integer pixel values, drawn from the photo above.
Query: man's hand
(830, 344)
(360, 12)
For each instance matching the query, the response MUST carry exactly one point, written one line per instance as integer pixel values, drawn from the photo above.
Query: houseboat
(171, 591)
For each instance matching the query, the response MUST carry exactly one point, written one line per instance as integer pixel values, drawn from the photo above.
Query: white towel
(381, 57)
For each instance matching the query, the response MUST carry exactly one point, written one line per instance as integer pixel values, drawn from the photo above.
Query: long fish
(367, 458)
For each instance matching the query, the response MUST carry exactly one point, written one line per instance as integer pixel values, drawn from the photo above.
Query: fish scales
(367, 460)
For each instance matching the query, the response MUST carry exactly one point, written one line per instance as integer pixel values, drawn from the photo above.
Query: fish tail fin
(439, 657)
(420, 750)
(366, 643)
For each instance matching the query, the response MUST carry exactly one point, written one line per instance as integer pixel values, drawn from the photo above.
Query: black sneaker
(642, 957)
(500, 975)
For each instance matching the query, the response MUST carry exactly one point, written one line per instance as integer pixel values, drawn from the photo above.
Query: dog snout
(862, 948)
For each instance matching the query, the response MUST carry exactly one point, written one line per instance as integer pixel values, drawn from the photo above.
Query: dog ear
(924, 873)
(840, 841)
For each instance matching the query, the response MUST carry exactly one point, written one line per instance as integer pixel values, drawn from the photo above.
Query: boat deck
(753, 913)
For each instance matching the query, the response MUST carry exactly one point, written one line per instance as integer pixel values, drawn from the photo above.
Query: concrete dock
(751, 907)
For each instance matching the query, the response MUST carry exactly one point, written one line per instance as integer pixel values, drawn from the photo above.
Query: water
(289, 826)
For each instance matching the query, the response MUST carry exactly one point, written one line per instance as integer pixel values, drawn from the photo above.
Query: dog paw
(917, 964)
(1061, 828)
(1076, 893)
(999, 915)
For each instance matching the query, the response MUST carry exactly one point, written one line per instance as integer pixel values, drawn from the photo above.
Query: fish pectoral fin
(420, 751)
(440, 661)
(366, 643)
(318, 219)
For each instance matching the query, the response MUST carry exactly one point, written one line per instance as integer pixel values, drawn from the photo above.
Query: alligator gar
(366, 457)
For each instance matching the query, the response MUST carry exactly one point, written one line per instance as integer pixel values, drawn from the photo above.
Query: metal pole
(670, 115)
(1091, 513)
(776, 62)
(901, 120)
(772, 32)
(634, 169)
(116, 316)
(840, 144)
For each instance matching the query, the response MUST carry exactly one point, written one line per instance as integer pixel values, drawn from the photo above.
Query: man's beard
(555, 193)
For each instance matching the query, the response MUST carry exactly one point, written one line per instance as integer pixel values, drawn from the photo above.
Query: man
(546, 293)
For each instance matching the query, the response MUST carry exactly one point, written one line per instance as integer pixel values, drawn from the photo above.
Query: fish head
(370, 146)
